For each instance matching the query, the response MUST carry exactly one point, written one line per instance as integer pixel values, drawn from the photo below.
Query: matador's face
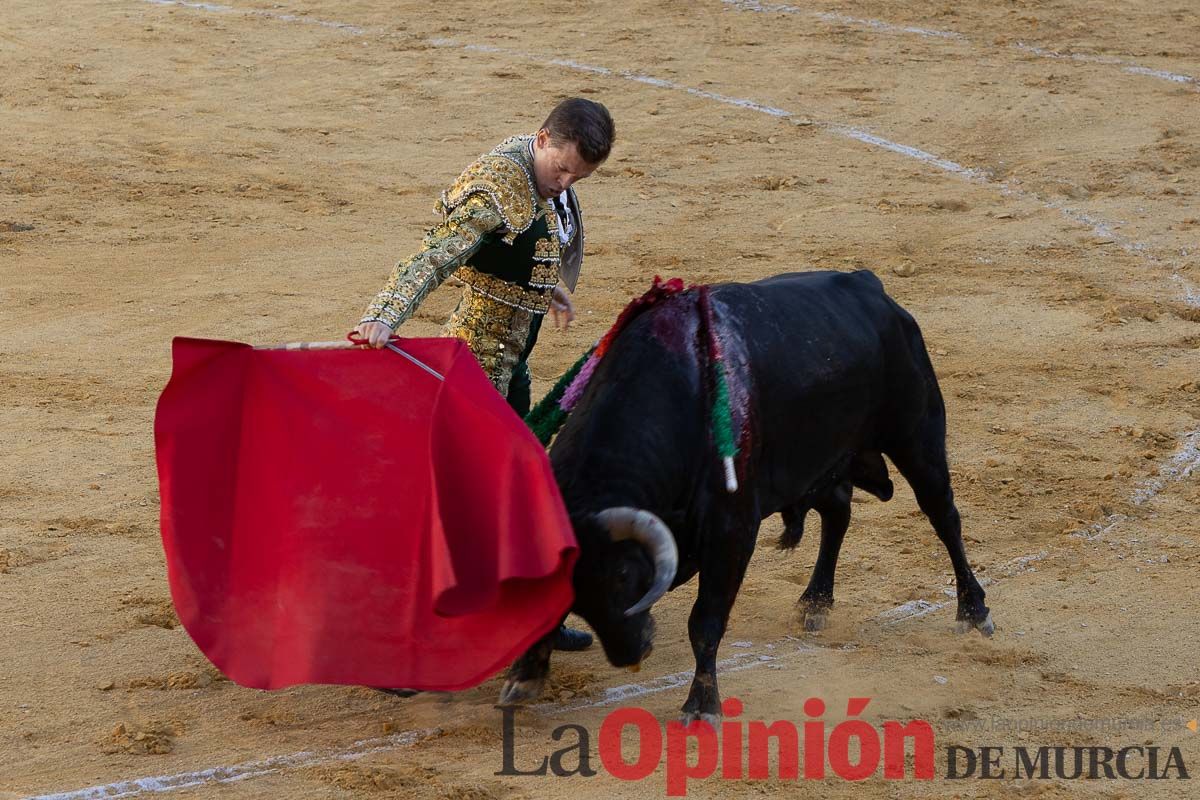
(557, 165)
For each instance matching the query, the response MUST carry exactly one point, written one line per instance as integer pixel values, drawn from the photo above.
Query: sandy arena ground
(252, 173)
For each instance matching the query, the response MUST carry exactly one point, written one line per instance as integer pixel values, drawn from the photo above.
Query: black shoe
(399, 692)
(570, 639)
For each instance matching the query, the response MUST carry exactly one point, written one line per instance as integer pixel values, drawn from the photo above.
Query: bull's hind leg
(722, 568)
(922, 462)
(527, 675)
(817, 599)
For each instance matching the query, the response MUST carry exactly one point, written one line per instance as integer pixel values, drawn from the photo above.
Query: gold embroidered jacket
(502, 240)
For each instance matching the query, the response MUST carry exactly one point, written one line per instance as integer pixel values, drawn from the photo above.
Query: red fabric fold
(342, 516)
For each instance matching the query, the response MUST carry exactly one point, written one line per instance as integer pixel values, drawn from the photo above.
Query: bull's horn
(651, 533)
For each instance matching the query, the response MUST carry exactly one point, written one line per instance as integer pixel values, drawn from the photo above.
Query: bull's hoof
(985, 626)
(516, 692)
(688, 717)
(815, 614)
(815, 619)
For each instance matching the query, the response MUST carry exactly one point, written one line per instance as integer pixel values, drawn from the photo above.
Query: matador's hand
(561, 309)
(376, 333)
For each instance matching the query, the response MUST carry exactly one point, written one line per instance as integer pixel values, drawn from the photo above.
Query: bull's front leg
(527, 675)
(721, 573)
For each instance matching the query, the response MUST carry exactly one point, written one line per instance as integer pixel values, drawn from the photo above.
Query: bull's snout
(636, 666)
(631, 647)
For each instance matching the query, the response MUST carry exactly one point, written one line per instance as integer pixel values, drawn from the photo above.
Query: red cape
(342, 516)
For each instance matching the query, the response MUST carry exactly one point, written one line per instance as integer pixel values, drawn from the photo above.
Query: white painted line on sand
(251, 12)
(200, 6)
(1126, 66)
(919, 608)
(886, 27)
(874, 24)
(1180, 466)
(629, 691)
(943, 164)
(239, 772)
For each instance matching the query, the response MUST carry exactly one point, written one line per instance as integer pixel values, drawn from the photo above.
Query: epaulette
(505, 183)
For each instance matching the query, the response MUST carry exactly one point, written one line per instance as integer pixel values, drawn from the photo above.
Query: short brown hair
(586, 123)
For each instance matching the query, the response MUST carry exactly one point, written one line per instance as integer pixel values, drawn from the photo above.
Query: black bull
(828, 374)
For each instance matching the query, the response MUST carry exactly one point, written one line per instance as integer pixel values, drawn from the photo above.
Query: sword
(416, 361)
(349, 343)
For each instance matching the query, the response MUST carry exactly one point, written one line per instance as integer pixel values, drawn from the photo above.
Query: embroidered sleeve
(447, 247)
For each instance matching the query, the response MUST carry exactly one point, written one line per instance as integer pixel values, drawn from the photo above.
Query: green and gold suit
(509, 247)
